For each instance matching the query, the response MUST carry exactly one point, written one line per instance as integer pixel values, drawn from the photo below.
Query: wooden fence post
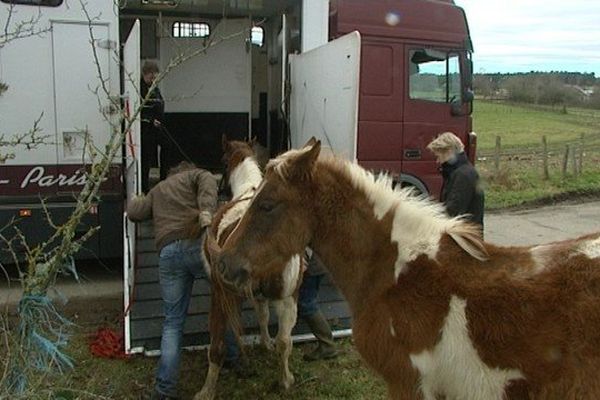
(545, 157)
(581, 147)
(574, 159)
(497, 154)
(565, 162)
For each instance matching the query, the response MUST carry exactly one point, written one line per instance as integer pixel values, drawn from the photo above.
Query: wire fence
(571, 157)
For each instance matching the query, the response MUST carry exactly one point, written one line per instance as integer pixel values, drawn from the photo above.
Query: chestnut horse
(281, 288)
(437, 312)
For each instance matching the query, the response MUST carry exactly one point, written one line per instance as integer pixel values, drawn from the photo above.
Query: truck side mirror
(468, 96)
(456, 107)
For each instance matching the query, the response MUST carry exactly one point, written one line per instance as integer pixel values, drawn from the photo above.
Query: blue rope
(43, 334)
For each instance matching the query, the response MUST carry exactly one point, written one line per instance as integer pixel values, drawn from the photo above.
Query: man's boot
(320, 328)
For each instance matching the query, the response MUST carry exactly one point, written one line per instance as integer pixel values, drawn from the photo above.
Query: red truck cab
(415, 82)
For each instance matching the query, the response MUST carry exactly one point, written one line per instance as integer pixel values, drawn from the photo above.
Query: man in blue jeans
(188, 197)
(308, 310)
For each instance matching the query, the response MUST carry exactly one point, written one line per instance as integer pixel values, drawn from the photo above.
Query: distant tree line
(548, 88)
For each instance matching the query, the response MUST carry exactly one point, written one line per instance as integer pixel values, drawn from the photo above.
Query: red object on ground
(107, 343)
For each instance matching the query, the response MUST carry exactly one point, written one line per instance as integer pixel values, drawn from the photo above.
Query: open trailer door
(324, 95)
(132, 167)
(324, 103)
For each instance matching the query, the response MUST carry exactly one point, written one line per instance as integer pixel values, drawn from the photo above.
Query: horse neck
(371, 233)
(341, 239)
(245, 177)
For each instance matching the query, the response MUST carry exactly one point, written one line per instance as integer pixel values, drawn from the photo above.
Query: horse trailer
(374, 80)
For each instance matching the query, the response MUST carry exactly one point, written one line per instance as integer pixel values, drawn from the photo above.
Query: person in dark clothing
(152, 118)
(308, 310)
(461, 191)
(189, 194)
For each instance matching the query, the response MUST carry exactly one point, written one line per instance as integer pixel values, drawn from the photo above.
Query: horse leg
(261, 307)
(286, 309)
(402, 392)
(403, 382)
(217, 325)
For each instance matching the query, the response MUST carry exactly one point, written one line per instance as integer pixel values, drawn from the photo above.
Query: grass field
(101, 379)
(519, 179)
(524, 126)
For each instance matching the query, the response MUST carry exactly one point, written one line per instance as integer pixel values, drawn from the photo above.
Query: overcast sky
(541, 35)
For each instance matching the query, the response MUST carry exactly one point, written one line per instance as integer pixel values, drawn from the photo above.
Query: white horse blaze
(454, 369)
(290, 276)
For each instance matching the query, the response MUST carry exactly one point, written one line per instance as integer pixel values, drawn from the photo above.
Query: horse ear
(306, 160)
(311, 142)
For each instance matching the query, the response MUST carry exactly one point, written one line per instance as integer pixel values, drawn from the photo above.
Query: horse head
(278, 223)
(235, 152)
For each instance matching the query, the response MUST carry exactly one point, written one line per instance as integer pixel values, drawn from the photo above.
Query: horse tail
(468, 237)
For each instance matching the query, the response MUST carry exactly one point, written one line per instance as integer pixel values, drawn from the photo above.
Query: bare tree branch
(30, 140)
(14, 29)
(21, 29)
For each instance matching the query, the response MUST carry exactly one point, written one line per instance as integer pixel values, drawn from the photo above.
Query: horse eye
(266, 205)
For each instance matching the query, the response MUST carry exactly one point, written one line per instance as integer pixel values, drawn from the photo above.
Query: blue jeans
(179, 264)
(307, 296)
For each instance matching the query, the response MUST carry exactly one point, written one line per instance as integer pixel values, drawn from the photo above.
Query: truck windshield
(434, 75)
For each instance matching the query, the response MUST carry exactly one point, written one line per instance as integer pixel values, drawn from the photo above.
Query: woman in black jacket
(461, 192)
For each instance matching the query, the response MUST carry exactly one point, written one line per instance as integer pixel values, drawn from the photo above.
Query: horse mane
(421, 215)
(243, 170)
(245, 177)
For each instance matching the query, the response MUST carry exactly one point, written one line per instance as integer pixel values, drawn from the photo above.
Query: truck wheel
(418, 187)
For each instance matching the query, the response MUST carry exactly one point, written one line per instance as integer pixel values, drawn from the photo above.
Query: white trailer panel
(50, 74)
(324, 95)
(80, 102)
(218, 80)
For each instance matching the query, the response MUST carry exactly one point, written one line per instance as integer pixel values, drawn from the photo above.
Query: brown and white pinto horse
(279, 288)
(438, 313)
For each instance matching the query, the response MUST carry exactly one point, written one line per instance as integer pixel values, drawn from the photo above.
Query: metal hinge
(107, 44)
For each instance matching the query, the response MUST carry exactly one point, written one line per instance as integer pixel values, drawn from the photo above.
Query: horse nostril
(232, 270)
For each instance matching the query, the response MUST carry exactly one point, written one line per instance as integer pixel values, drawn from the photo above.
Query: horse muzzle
(233, 272)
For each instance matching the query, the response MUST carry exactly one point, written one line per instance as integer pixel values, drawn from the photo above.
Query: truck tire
(411, 181)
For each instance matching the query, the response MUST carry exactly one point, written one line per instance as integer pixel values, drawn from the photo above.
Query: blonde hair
(444, 142)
